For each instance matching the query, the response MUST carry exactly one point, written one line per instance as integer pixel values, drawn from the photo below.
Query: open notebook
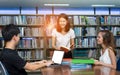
(57, 57)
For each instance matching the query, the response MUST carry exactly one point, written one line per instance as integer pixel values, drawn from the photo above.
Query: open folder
(65, 49)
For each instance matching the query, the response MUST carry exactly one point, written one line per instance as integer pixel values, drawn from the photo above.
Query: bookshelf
(31, 45)
(86, 28)
(88, 41)
(112, 23)
(36, 42)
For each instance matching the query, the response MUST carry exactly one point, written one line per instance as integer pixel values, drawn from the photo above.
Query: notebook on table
(57, 57)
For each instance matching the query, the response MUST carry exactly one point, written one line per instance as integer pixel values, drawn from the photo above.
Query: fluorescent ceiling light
(56, 4)
(103, 5)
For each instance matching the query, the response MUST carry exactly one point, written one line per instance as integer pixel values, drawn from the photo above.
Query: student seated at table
(105, 39)
(14, 64)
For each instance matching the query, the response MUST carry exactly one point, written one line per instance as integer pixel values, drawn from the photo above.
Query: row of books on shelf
(118, 53)
(49, 43)
(79, 31)
(84, 53)
(78, 20)
(31, 43)
(85, 42)
(79, 42)
(29, 32)
(91, 31)
(28, 43)
(115, 30)
(110, 20)
(22, 20)
(92, 20)
(117, 40)
(85, 31)
(90, 53)
(31, 54)
(84, 20)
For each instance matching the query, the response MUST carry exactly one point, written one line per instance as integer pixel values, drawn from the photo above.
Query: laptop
(57, 57)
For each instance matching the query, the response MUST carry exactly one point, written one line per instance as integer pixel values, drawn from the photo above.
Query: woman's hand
(72, 46)
(96, 62)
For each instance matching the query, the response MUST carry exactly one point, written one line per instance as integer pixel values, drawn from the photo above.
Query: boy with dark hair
(14, 64)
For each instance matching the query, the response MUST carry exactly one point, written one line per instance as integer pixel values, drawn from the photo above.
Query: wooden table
(66, 70)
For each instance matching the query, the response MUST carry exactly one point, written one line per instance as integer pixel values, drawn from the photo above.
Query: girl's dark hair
(9, 31)
(67, 27)
(108, 39)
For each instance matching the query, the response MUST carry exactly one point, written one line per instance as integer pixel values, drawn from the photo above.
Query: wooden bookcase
(86, 39)
(31, 46)
(36, 43)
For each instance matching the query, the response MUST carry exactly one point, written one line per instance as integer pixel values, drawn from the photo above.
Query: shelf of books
(36, 43)
(86, 28)
(49, 26)
(31, 45)
(112, 23)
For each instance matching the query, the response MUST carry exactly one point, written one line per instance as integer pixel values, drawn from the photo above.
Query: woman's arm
(72, 43)
(54, 43)
(113, 59)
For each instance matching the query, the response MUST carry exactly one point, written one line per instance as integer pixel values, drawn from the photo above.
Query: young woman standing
(63, 35)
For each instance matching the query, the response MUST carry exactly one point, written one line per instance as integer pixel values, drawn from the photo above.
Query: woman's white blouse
(63, 40)
(105, 57)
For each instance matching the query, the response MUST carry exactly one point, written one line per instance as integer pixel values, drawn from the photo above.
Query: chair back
(118, 64)
(3, 71)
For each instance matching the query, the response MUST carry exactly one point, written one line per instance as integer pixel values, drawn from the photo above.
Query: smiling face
(100, 38)
(62, 22)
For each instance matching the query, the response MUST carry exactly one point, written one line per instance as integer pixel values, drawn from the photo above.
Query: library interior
(88, 40)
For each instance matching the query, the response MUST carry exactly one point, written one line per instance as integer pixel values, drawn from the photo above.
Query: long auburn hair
(108, 39)
(67, 27)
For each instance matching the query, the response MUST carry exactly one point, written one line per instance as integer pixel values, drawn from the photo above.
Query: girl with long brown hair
(105, 39)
